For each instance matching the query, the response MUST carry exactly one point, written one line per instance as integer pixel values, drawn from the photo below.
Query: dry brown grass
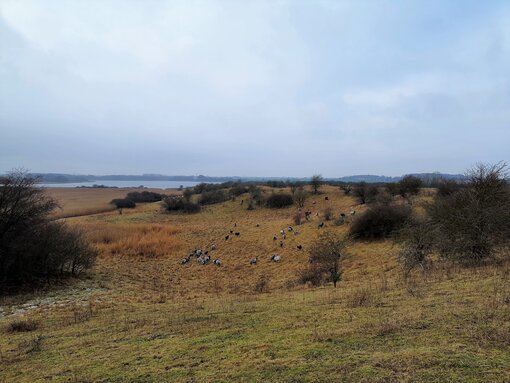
(76, 202)
(158, 320)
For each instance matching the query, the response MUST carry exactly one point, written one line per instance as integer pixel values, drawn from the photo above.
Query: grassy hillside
(141, 316)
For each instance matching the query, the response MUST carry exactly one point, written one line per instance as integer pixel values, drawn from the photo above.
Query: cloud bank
(262, 88)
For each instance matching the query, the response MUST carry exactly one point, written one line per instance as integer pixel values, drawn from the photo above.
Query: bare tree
(325, 258)
(316, 182)
(300, 196)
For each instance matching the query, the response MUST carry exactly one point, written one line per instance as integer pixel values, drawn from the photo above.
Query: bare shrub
(123, 203)
(256, 195)
(365, 193)
(187, 194)
(362, 296)
(213, 197)
(471, 223)
(300, 196)
(32, 246)
(279, 200)
(380, 221)
(262, 285)
(31, 345)
(347, 189)
(325, 260)
(409, 185)
(417, 243)
(176, 204)
(22, 325)
(145, 196)
(298, 217)
(316, 182)
(328, 213)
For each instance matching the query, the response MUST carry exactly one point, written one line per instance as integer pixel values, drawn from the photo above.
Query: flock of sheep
(203, 257)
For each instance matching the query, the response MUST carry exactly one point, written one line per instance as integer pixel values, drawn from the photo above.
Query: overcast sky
(253, 88)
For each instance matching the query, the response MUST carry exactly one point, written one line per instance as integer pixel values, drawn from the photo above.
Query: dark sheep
(184, 260)
(300, 247)
(237, 234)
(227, 237)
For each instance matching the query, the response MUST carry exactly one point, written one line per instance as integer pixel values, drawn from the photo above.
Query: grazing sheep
(290, 228)
(231, 231)
(275, 258)
(204, 260)
(282, 231)
(213, 247)
(198, 253)
(275, 237)
(353, 212)
(284, 236)
(253, 261)
(217, 262)
(321, 225)
(184, 260)
(281, 243)
(227, 237)
(237, 234)
(206, 252)
(326, 198)
(300, 247)
(342, 215)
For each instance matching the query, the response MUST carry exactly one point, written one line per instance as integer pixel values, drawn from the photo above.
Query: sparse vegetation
(172, 315)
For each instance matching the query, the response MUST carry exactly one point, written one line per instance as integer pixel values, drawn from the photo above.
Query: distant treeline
(68, 178)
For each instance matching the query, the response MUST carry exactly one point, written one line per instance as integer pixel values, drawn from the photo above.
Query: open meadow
(141, 316)
(86, 201)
